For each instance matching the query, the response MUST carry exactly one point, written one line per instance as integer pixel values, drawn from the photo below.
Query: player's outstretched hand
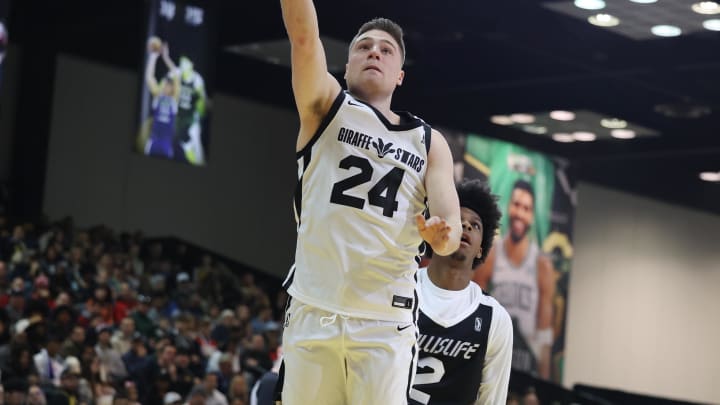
(434, 231)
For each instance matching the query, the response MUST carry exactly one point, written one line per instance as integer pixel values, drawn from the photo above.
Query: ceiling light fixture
(623, 133)
(561, 115)
(522, 118)
(710, 176)
(613, 123)
(603, 20)
(706, 7)
(501, 120)
(584, 136)
(590, 4)
(563, 137)
(666, 30)
(712, 25)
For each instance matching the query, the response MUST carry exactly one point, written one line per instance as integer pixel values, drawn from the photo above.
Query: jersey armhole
(323, 124)
(428, 137)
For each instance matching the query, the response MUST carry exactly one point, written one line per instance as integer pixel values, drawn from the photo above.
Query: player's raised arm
(314, 88)
(150, 79)
(443, 229)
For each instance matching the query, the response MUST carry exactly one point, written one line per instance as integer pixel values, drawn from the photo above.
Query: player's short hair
(476, 195)
(525, 186)
(387, 25)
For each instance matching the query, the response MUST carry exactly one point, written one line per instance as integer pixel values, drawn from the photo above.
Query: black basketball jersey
(451, 360)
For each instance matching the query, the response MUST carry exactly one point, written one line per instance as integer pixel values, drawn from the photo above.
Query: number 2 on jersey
(388, 184)
(437, 370)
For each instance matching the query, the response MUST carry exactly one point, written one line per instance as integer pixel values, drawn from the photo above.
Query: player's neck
(379, 102)
(449, 275)
(516, 251)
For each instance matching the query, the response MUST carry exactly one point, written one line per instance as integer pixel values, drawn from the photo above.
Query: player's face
(374, 64)
(168, 88)
(521, 214)
(472, 236)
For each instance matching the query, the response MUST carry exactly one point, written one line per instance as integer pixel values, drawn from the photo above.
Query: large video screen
(4, 35)
(176, 81)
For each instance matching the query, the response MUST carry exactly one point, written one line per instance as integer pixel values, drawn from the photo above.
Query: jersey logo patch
(382, 148)
(402, 302)
(350, 102)
(478, 324)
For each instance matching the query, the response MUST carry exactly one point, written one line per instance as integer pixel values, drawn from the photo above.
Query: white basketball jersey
(360, 184)
(516, 288)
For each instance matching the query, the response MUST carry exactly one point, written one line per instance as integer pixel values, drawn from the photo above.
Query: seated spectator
(122, 338)
(15, 390)
(74, 344)
(215, 397)
(49, 362)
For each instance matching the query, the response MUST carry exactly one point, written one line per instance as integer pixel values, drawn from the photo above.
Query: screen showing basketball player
(3, 33)
(175, 82)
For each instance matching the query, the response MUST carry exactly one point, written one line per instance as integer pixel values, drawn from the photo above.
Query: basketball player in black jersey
(465, 336)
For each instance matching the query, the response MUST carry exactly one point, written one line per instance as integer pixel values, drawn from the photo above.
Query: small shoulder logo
(478, 324)
(350, 102)
(287, 320)
(382, 148)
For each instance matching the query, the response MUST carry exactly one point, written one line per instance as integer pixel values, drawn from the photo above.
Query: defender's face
(374, 64)
(472, 236)
(521, 213)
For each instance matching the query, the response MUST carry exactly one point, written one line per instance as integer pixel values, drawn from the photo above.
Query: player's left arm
(150, 80)
(171, 66)
(498, 360)
(443, 229)
(544, 334)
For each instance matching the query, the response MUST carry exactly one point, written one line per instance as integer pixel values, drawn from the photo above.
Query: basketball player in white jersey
(523, 281)
(365, 173)
(466, 337)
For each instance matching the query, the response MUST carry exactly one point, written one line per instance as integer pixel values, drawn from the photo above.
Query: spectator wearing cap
(110, 359)
(122, 338)
(136, 359)
(84, 390)
(16, 303)
(143, 323)
(184, 376)
(221, 331)
(69, 386)
(49, 362)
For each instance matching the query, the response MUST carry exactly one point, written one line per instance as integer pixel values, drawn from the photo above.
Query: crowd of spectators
(93, 317)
